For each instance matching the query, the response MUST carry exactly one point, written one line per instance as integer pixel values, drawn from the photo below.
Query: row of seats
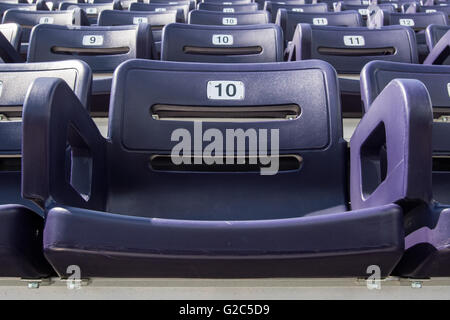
(118, 207)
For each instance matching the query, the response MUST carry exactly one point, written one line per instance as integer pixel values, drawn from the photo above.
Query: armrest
(63, 152)
(300, 46)
(8, 53)
(440, 52)
(391, 149)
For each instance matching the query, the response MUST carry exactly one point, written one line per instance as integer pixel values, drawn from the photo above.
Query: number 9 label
(92, 40)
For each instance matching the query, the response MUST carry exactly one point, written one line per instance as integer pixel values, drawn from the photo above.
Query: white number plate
(448, 89)
(225, 90)
(160, 9)
(137, 20)
(430, 11)
(48, 20)
(320, 21)
(92, 40)
(406, 22)
(297, 9)
(229, 21)
(363, 12)
(91, 10)
(222, 39)
(228, 10)
(353, 41)
(1, 88)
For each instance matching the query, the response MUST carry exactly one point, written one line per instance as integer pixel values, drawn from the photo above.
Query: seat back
(227, 7)
(288, 20)
(182, 8)
(231, 1)
(192, 3)
(103, 48)
(431, 9)
(377, 74)
(92, 10)
(273, 7)
(28, 19)
(364, 10)
(203, 43)
(349, 49)
(13, 33)
(417, 21)
(164, 101)
(434, 33)
(228, 19)
(21, 6)
(157, 20)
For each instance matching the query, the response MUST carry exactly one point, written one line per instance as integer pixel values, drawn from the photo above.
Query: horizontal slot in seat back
(288, 20)
(437, 80)
(13, 33)
(28, 19)
(102, 48)
(349, 49)
(426, 225)
(230, 44)
(273, 7)
(230, 19)
(154, 103)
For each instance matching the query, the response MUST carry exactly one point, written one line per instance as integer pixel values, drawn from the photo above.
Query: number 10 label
(225, 90)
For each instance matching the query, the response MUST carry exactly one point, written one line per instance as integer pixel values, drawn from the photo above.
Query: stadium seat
(182, 9)
(112, 211)
(192, 3)
(92, 9)
(431, 9)
(40, 5)
(28, 19)
(13, 33)
(427, 215)
(364, 10)
(273, 7)
(102, 48)
(230, 44)
(418, 22)
(288, 20)
(21, 220)
(157, 20)
(434, 33)
(228, 8)
(349, 49)
(228, 19)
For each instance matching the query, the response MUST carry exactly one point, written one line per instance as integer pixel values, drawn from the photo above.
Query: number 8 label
(92, 40)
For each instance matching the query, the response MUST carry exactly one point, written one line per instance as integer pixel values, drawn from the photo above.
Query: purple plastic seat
(349, 49)
(273, 7)
(418, 22)
(181, 8)
(427, 214)
(28, 19)
(112, 211)
(434, 33)
(228, 19)
(92, 10)
(220, 44)
(13, 33)
(103, 48)
(288, 20)
(439, 55)
(363, 9)
(227, 7)
(21, 220)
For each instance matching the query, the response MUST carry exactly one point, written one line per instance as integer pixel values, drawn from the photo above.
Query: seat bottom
(332, 245)
(427, 251)
(21, 252)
